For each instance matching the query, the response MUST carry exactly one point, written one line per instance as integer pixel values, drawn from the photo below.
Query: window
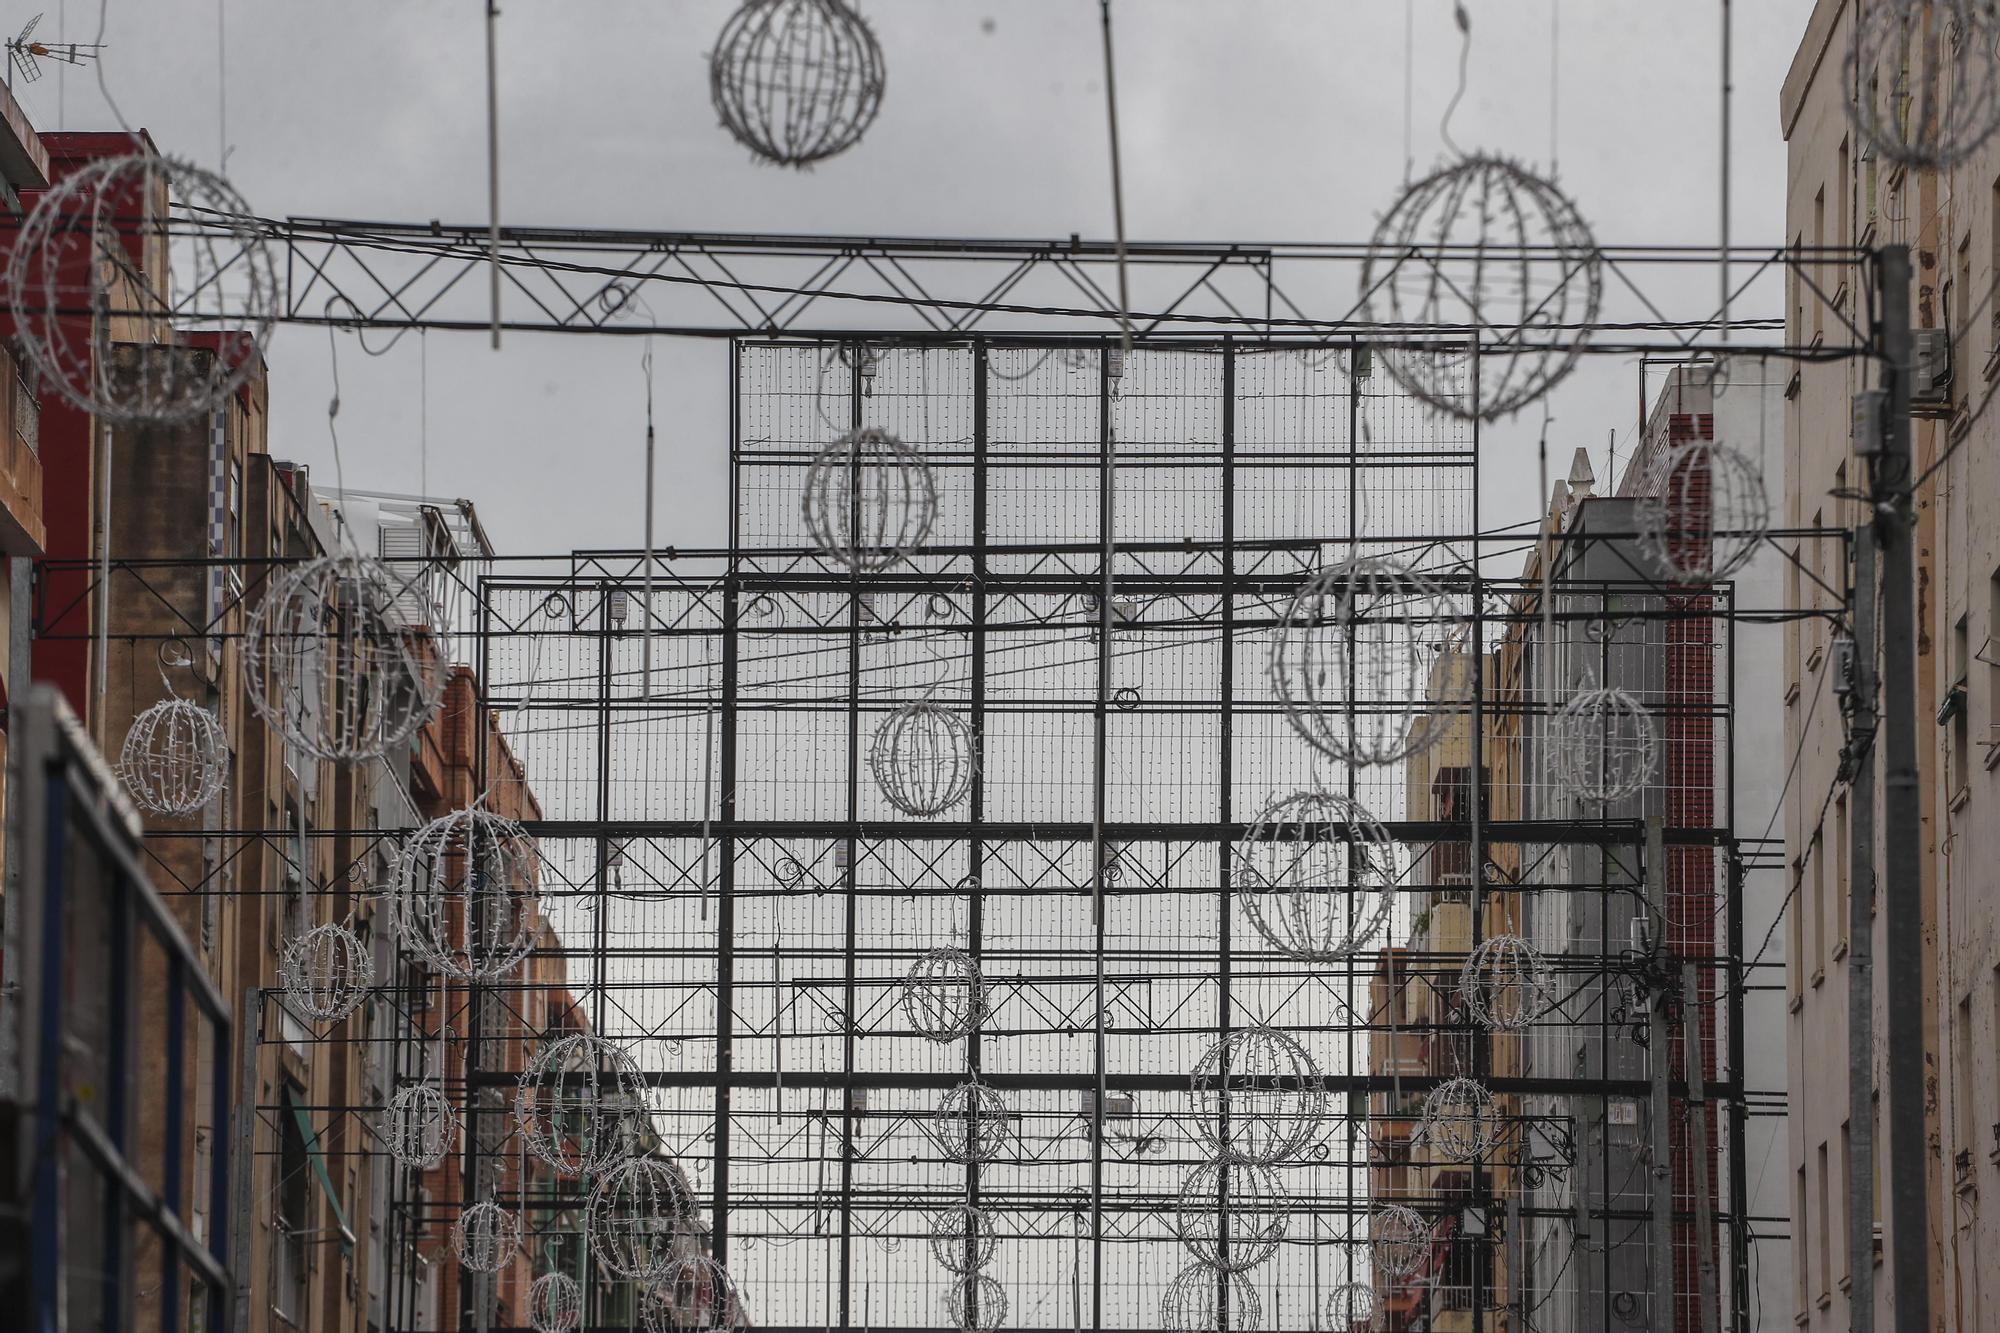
(1795, 970)
(1824, 1222)
(1953, 709)
(1800, 1283)
(1993, 1040)
(1847, 1199)
(1961, 1083)
(1843, 854)
(290, 1223)
(1816, 924)
(1819, 262)
(1993, 254)
(1989, 653)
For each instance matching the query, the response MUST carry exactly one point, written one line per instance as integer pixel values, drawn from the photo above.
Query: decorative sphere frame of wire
(1506, 984)
(973, 1123)
(577, 1102)
(326, 973)
(1605, 745)
(636, 1214)
(869, 500)
(691, 1292)
(486, 1237)
(329, 662)
(944, 996)
(87, 316)
(1367, 662)
(975, 1303)
(1460, 1120)
(1702, 512)
(1484, 246)
(1350, 1307)
(923, 758)
(555, 1303)
(1399, 1239)
(1257, 1096)
(175, 758)
(1191, 1303)
(1255, 1202)
(467, 897)
(797, 81)
(419, 1126)
(1316, 874)
(963, 1238)
(1924, 79)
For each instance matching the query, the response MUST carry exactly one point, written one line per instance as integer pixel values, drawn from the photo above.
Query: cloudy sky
(1246, 120)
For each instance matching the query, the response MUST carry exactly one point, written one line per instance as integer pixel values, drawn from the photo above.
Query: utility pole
(1902, 880)
(1861, 940)
(1659, 1052)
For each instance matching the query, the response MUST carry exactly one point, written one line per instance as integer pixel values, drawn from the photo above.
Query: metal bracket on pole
(1704, 1205)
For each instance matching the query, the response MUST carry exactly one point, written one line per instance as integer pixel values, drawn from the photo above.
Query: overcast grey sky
(1245, 120)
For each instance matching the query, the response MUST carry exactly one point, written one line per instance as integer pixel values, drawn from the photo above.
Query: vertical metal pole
(1482, 1051)
(1902, 884)
(1658, 1049)
(1704, 1209)
(1722, 251)
(493, 160)
(1100, 723)
(851, 841)
(1861, 948)
(98, 722)
(975, 899)
(725, 913)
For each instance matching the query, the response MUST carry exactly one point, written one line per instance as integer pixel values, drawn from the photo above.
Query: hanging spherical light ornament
(1506, 984)
(975, 1303)
(1460, 1120)
(580, 1104)
(944, 996)
(796, 81)
(691, 1292)
(466, 895)
(106, 283)
(973, 1123)
(1351, 1308)
(326, 973)
(1317, 875)
(1370, 661)
(1194, 1303)
(923, 759)
(963, 1238)
(1232, 1215)
(869, 500)
(419, 1127)
(1257, 1096)
(640, 1206)
(1604, 745)
(1923, 79)
(1702, 512)
(331, 661)
(175, 758)
(1399, 1239)
(555, 1304)
(486, 1237)
(1485, 248)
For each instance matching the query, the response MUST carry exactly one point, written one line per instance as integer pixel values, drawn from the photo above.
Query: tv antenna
(25, 55)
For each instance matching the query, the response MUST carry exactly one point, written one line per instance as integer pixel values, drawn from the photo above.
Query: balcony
(21, 528)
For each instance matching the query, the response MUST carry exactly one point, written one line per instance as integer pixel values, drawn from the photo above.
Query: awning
(318, 1160)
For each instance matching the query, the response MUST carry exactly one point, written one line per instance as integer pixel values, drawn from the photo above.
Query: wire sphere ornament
(869, 500)
(327, 973)
(1604, 745)
(175, 758)
(466, 896)
(1369, 662)
(975, 1303)
(555, 1304)
(486, 1237)
(1702, 512)
(1194, 1303)
(1257, 1096)
(691, 1292)
(1924, 79)
(106, 283)
(329, 661)
(923, 758)
(1350, 1307)
(943, 995)
(1486, 248)
(580, 1104)
(1316, 873)
(1460, 1120)
(419, 1127)
(1506, 984)
(973, 1123)
(1399, 1239)
(636, 1213)
(963, 1238)
(797, 81)
(1232, 1215)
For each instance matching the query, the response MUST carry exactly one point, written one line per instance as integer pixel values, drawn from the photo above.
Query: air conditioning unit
(1930, 373)
(1117, 1105)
